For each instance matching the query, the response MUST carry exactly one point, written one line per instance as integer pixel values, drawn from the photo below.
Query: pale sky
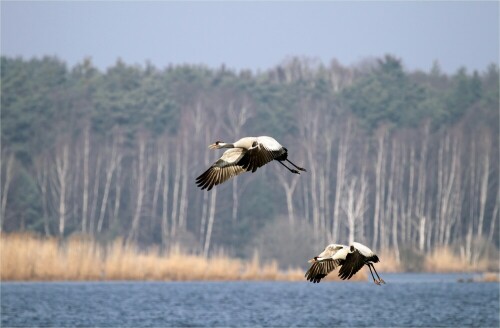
(254, 35)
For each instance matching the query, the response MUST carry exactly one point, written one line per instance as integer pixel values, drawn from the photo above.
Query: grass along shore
(26, 257)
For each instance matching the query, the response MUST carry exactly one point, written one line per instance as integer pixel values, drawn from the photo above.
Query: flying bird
(350, 259)
(244, 155)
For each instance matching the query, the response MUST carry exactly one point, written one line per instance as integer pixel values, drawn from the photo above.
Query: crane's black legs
(374, 280)
(289, 169)
(379, 279)
(297, 167)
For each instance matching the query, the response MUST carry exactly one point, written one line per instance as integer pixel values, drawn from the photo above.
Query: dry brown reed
(445, 260)
(25, 257)
(388, 262)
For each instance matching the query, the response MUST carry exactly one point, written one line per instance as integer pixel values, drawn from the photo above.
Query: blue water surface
(407, 300)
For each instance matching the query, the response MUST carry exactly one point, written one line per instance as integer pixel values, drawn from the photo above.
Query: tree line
(395, 159)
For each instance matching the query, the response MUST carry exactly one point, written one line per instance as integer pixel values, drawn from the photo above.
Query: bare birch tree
(390, 201)
(9, 170)
(114, 160)
(289, 185)
(85, 192)
(164, 158)
(483, 194)
(141, 174)
(61, 183)
(353, 204)
(42, 175)
(95, 192)
(211, 218)
(183, 202)
(176, 191)
(118, 193)
(340, 177)
(378, 184)
(421, 188)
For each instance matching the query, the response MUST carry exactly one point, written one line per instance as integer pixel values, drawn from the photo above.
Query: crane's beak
(213, 146)
(313, 260)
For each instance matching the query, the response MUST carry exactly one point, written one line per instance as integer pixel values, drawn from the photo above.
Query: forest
(399, 160)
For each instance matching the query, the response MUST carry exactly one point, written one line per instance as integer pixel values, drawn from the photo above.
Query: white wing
(270, 143)
(365, 251)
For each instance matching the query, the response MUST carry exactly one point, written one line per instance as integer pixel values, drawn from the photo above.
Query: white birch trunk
(204, 210)
(420, 208)
(140, 192)
(113, 162)
(75, 185)
(378, 187)
(391, 207)
(288, 185)
(184, 187)
(305, 194)
(421, 234)
(211, 218)
(313, 191)
(329, 136)
(85, 192)
(118, 190)
(157, 185)
(166, 184)
(5, 190)
(411, 185)
(354, 206)
(95, 194)
(483, 196)
(62, 169)
(41, 167)
(175, 195)
(341, 162)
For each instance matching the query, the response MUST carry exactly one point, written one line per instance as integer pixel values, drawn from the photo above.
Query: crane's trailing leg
(297, 167)
(289, 169)
(379, 279)
(374, 280)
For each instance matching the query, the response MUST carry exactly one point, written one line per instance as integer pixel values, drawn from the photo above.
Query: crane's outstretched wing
(223, 169)
(321, 269)
(353, 263)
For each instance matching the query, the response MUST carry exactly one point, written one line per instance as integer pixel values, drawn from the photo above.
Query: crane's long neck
(225, 145)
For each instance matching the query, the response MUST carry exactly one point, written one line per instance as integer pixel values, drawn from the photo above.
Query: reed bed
(388, 262)
(443, 260)
(25, 257)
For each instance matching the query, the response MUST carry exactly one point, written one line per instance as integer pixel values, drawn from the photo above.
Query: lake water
(424, 300)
